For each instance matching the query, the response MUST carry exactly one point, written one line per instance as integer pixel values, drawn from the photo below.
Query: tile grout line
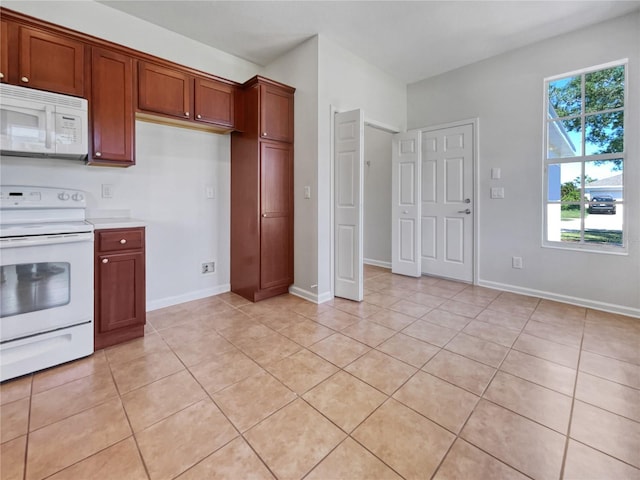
(573, 402)
(480, 398)
(28, 434)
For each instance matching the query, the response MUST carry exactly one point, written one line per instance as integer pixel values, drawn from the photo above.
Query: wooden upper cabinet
(112, 113)
(214, 102)
(164, 90)
(276, 113)
(50, 62)
(4, 51)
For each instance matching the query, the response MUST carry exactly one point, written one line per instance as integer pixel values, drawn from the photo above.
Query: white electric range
(46, 260)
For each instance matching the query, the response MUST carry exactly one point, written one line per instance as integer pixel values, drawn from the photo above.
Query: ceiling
(410, 40)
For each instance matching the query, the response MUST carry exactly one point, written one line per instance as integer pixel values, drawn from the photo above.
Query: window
(584, 159)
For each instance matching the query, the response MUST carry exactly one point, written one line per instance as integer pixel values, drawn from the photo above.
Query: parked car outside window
(602, 204)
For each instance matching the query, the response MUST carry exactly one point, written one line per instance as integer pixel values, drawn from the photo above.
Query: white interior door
(348, 215)
(405, 212)
(447, 208)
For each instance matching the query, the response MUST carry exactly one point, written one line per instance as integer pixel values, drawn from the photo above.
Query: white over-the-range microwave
(34, 123)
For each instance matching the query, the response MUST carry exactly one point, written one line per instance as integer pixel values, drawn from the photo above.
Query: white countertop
(116, 222)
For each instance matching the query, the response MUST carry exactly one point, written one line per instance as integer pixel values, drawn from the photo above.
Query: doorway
(361, 213)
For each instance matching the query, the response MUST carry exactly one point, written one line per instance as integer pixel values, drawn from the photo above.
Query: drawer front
(120, 239)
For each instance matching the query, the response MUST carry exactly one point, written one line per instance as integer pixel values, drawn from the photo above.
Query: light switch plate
(496, 173)
(107, 190)
(497, 192)
(307, 191)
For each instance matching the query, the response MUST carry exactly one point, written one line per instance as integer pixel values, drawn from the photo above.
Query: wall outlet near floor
(516, 262)
(208, 267)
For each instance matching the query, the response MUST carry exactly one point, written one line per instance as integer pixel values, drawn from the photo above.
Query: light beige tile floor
(426, 378)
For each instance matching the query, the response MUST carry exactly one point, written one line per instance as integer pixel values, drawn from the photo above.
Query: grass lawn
(593, 236)
(571, 214)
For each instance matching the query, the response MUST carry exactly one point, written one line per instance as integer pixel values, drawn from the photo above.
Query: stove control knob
(64, 196)
(77, 197)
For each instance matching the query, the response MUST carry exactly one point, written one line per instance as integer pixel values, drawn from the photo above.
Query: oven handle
(45, 240)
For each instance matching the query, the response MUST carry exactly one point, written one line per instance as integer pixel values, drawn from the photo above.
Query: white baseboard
(311, 296)
(581, 302)
(187, 297)
(376, 263)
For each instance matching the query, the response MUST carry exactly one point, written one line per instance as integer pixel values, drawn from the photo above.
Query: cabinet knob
(264, 134)
(123, 241)
(24, 79)
(198, 116)
(98, 154)
(105, 260)
(1, 75)
(186, 114)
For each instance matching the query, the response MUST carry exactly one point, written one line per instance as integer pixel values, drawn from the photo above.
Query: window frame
(584, 159)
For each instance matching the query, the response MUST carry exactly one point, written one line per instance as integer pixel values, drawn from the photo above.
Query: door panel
(406, 197)
(447, 185)
(276, 210)
(349, 163)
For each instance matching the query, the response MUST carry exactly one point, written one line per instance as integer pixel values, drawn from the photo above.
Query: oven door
(47, 284)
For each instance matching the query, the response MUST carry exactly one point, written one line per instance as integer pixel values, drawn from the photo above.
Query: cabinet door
(276, 232)
(120, 291)
(214, 102)
(164, 90)
(51, 62)
(276, 114)
(4, 52)
(112, 107)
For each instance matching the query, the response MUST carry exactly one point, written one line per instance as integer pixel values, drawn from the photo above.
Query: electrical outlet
(516, 262)
(208, 267)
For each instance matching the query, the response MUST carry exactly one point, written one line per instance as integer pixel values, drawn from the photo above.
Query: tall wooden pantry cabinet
(262, 191)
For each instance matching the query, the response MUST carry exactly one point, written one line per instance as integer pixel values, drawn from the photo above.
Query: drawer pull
(105, 260)
(24, 79)
(123, 241)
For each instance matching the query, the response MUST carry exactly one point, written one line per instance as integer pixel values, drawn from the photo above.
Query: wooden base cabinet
(119, 285)
(262, 193)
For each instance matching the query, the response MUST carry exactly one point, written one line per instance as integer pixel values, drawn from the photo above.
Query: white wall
(347, 82)
(327, 75)
(377, 196)
(173, 165)
(299, 68)
(506, 93)
(166, 188)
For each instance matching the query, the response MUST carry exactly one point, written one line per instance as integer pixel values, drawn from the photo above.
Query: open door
(406, 209)
(348, 217)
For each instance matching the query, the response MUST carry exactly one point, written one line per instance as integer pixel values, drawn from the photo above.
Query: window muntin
(584, 158)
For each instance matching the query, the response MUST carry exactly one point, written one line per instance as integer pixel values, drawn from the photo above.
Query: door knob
(467, 211)
(467, 200)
